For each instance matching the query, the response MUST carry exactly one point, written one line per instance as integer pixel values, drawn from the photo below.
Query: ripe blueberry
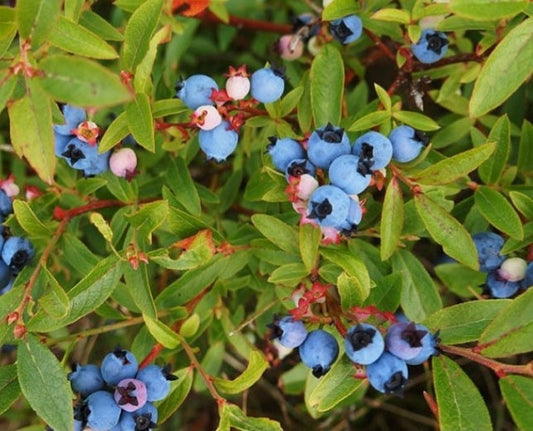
(326, 144)
(157, 381)
(289, 332)
(283, 151)
(429, 346)
(404, 340)
(196, 90)
(343, 173)
(407, 143)
(104, 412)
(374, 151)
(388, 374)
(86, 379)
(488, 245)
(118, 365)
(218, 143)
(267, 85)
(298, 167)
(144, 419)
(347, 29)
(500, 288)
(363, 343)
(431, 46)
(319, 351)
(16, 253)
(329, 206)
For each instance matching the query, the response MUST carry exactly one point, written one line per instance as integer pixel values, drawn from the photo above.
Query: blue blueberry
(429, 346)
(157, 380)
(343, 173)
(6, 205)
(63, 132)
(347, 29)
(218, 143)
(305, 20)
(388, 374)
(16, 253)
(283, 151)
(196, 90)
(500, 288)
(329, 206)
(299, 167)
(488, 245)
(289, 332)
(407, 143)
(6, 282)
(404, 340)
(86, 379)
(374, 151)
(318, 352)
(267, 84)
(84, 157)
(355, 214)
(143, 419)
(326, 144)
(363, 344)
(431, 46)
(528, 278)
(118, 365)
(103, 411)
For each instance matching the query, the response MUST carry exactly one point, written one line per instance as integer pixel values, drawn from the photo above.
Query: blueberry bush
(266, 215)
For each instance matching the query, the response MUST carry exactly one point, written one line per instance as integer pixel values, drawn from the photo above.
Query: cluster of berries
(118, 396)
(506, 275)
(76, 141)
(335, 207)
(219, 114)
(386, 358)
(15, 251)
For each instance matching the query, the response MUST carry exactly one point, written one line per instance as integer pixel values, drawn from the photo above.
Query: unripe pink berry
(130, 394)
(290, 47)
(238, 87)
(206, 117)
(123, 162)
(513, 269)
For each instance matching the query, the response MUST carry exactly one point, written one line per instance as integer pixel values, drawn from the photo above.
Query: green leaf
(149, 217)
(190, 326)
(138, 33)
(290, 100)
(517, 393)
(522, 203)
(116, 132)
(36, 19)
(498, 211)
(179, 389)
(138, 284)
(74, 38)
(257, 365)
(462, 323)
(182, 184)
(140, 121)
(9, 386)
(338, 9)
(100, 26)
(384, 97)
(452, 168)
(337, 385)
(308, 241)
(511, 332)
(525, 150)
(461, 407)
(459, 279)
(164, 107)
(55, 302)
(507, 67)
(447, 231)
(386, 295)
(393, 15)
(32, 136)
(304, 111)
(327, 86)
(102, 225)
(87, 295)
(392, 216)
(161, 332)
(44, 384)
(416, 120)
(289, 274)
(370, 120)
(81, 82)
(420, 297)
(487, 10)
(351, 291)
(28, 220)
(491, 170)
(279, 233)
(231, 416)
(352, 265)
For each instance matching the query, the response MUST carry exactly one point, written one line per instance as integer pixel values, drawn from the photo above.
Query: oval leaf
(257, 365)
(517, 392)
(487, 10)
(491, 170)
(392, 216)
(498, 211)
(28, 220)
(161, 332)
(279, 233)
(308, 241)
(141, 122)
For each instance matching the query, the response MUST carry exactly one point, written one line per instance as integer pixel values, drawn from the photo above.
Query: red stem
(247, 23)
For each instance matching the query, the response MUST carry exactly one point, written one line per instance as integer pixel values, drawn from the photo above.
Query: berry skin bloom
(343, 173)
(318, 352)
(404, 340)
(298, 167)
(118, 365)
(6, 205)
(429, 346)
(123, 162)
(143, 419)
(86, 379)
(267, 85)
(218, 143)
(16, 253)
(85, 157)
(283, 151)
(488, 245)
(63, 132)
(104, 413)
(364, 344)
(157, 381)
(431, 46)
(388, 374)
(329, 206)
(528, 277)
(500, 288)
(326, 144)
(289, 332)
(130, 394)
(407, 143)
(374, 151)
(196, 90)
(347, 29)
